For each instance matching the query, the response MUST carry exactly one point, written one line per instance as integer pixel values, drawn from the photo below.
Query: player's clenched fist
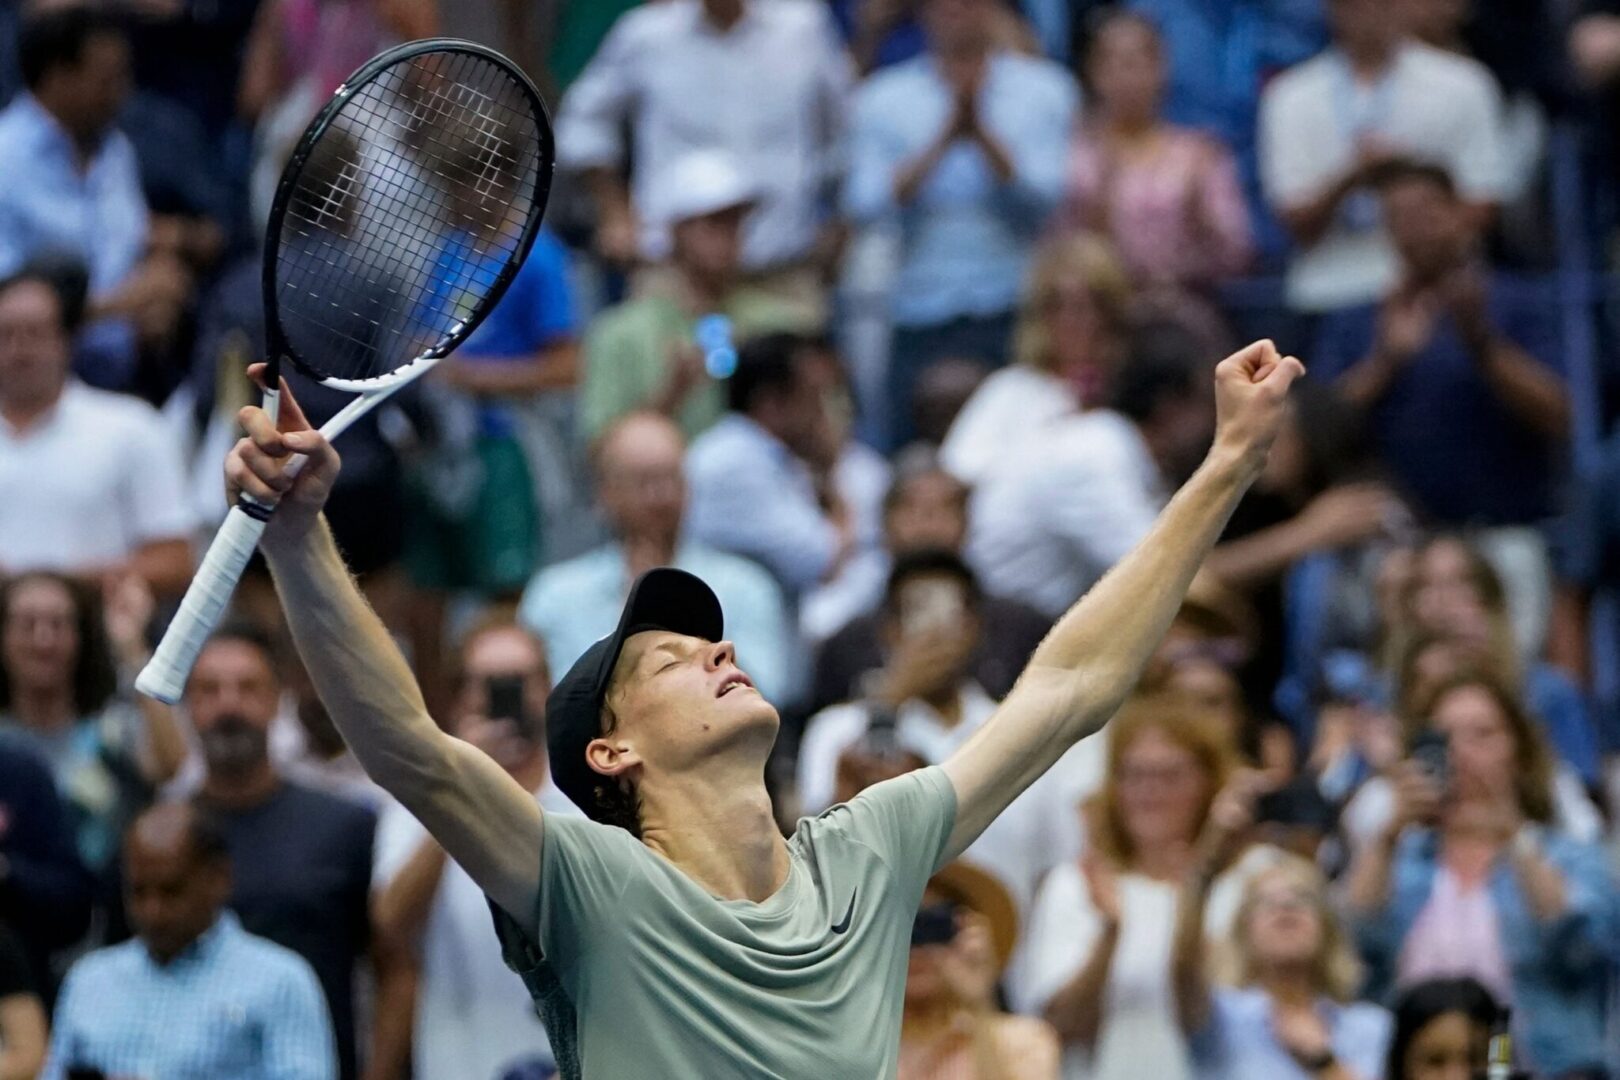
(1251, 399)
(288, 465)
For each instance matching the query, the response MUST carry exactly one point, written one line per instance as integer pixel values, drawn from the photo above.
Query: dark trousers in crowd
(984, 338)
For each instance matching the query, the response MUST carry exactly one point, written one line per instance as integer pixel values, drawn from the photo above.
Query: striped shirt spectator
(231, 1004)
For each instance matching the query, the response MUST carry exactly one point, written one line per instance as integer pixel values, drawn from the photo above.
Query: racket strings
(406, 214)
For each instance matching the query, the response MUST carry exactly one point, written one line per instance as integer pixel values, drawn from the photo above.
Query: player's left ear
(611, 756)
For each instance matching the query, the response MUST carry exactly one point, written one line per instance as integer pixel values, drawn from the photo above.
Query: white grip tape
(165, 675)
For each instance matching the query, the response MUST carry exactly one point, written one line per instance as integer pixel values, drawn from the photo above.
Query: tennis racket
(402, 216)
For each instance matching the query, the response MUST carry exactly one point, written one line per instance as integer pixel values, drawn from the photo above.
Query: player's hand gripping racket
(402, 216)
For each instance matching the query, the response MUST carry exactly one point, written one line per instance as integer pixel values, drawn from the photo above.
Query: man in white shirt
(1053, 517)
(473, 1018)
(921, 707)
(90, 482)
(1328, 124)
(765, 80)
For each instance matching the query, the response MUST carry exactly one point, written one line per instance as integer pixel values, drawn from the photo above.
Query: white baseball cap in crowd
(701, 182)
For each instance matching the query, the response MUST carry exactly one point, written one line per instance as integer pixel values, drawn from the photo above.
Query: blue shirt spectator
(1241, 1042)
(537, 314)
(538, 307)
(878, 43)
(1459, 372)
(301, 852)
(55, 200)
(642, 493)
(1558, 704)
(1221, 52)
(968, 222)
(754, 492)
(230, 1005)
(73, 187)
(1441, 431)
(754, 496)
(965, 149)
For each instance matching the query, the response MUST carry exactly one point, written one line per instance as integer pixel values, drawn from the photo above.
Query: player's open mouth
(731, 682)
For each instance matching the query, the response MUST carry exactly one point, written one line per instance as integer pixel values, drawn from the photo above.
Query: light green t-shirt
(640, 973)
(627, 350)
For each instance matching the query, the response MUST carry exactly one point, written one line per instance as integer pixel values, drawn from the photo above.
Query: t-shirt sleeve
(1479, 160)
(585, 868)
(905, 821)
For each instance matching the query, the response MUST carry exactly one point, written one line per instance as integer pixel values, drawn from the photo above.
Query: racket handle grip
(164, 676)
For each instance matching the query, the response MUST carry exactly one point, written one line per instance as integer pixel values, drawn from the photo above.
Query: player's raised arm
(1092, 658)
(482, 817)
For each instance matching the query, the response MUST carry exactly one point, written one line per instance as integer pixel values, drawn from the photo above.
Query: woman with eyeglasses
(1289, 1012)
(1100, 960)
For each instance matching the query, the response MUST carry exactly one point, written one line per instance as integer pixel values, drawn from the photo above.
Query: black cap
(663, 598)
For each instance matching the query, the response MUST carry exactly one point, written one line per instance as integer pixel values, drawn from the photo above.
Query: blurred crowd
(894, 320)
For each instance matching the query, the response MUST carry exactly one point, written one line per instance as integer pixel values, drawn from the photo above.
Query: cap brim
(746, 203)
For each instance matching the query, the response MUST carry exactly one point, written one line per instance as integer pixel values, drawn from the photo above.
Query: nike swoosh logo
(843, 924)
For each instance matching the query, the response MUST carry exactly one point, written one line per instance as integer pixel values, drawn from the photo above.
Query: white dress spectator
(1140, 1038)
(1008, 407)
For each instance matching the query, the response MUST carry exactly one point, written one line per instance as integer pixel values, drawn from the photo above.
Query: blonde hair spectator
(1074, 263)
(1336, 970)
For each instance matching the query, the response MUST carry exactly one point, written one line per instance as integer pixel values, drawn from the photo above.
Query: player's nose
(720, 654)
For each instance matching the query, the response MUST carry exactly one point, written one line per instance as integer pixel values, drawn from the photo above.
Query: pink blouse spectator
(1166, 197)
(1172, 208)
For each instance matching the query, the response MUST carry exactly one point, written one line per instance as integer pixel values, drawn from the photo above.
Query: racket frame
(278, 347)
(204, 604)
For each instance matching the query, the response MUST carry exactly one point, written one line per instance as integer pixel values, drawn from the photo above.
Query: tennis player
(674, 932)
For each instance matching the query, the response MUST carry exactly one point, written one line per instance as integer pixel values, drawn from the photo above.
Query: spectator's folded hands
(922, 661)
